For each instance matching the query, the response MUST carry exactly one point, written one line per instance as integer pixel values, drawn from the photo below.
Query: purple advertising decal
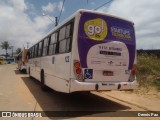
(107, 36)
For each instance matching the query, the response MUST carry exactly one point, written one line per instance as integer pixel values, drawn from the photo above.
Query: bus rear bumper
(101, 86)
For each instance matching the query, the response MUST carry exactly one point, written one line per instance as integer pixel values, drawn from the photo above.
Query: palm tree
(18, 50)
(5, 45)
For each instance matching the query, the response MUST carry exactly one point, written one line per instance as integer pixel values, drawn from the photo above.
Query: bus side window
(45, 46)
(28, 55)
(69, 35)
(40, 49)
(32, 52)
(29, 52)
(62, 40)
(57, 44)
(35, 50)
(65, 35)
(53, 43)
(49, 40)
(68, 28)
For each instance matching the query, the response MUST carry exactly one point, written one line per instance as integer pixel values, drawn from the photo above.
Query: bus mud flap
(96, 87)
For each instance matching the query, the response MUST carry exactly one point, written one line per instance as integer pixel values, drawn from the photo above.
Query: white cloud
(60, 4)
(49, 8)
(145, 15)
(41, 22)
(92, 3)
(17, 27)
(19, 5)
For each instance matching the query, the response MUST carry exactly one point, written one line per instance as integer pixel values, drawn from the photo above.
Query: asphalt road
(20, 93)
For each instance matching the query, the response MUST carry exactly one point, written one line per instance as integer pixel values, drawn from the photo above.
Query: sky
(22, 21)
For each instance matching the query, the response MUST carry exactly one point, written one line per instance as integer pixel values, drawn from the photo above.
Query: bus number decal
(96, 29)
(67, 58)
(53, 59)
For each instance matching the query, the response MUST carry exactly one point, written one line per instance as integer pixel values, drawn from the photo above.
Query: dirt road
(20, 93)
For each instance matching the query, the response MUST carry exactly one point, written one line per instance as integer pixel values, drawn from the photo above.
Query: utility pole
(56, 21)
(12, 50)
(28, 45)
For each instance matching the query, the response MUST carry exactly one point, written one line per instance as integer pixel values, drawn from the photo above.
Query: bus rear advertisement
(106, 53)
(90, 51)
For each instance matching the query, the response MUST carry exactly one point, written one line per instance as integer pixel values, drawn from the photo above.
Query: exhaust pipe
(96, 87)
(119, 86)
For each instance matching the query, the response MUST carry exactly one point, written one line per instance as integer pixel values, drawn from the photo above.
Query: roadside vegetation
(5, 45)
(148, 73)
(18, 50)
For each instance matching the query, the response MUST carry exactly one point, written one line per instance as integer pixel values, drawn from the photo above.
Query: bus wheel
(43, 86)
(24, 71)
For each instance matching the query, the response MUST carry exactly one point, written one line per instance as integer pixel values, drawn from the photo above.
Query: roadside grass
(148, 73)
(157, 84)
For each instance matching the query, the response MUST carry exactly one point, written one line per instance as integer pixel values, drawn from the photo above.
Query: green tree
(18, 50)
(5, 45)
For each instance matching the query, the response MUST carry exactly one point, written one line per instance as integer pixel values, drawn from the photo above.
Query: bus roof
(102, 13)
(72, 16)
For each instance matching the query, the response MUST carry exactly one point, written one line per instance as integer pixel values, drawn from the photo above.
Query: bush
(148, 71)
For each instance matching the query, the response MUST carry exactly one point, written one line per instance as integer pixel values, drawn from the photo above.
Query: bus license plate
(107, 73)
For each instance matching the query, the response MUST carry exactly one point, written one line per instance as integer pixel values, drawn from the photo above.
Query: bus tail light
(78, 70)
(77, 64)
(133, 74)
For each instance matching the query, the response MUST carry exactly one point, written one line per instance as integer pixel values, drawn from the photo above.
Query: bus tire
(43, 86)
(24, 71)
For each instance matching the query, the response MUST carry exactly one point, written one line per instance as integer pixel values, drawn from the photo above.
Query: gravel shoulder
(149, 102)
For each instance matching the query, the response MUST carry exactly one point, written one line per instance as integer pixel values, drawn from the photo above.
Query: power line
(61, 11)
(56, 19)
(103, 5)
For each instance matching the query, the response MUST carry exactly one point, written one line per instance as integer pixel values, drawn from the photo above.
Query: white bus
(90, 51)
(22, 61)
